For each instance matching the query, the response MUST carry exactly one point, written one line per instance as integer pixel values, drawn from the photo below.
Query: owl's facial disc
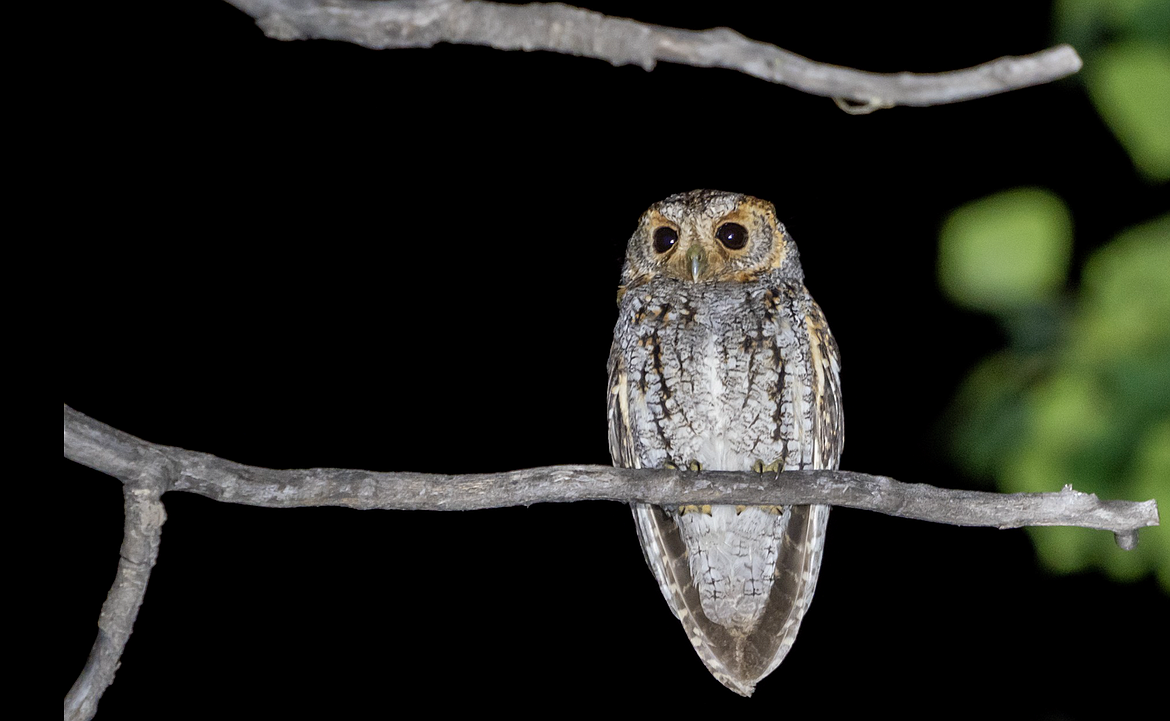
(698, 248)
(709, 236)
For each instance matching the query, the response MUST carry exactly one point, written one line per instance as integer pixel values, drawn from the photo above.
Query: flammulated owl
(721, 360)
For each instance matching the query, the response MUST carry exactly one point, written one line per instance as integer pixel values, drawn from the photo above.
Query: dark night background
(311, 254)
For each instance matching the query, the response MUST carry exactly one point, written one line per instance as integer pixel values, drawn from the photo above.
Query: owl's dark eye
(733, 236)
(664, 239)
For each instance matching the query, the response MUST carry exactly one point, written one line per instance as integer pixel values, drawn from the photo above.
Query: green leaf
(1129, 83)
(1125, 296)
(1007, 251)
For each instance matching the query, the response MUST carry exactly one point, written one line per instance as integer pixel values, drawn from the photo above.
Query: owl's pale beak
(696, 262)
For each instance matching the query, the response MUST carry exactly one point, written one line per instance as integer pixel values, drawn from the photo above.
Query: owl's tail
(736, 658)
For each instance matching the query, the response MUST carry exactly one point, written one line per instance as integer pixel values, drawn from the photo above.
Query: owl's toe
(760, 467)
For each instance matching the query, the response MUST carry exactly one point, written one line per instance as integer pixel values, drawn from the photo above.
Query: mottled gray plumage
(722, 360)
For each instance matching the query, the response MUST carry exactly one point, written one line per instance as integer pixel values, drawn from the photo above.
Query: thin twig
(573, 31)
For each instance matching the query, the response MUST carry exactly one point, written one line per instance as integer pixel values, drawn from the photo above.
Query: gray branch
(121, 455)
(565, 29)
(144, 482)
(148, 470)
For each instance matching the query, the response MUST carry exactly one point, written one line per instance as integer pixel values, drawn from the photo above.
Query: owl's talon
(760, 467)
(690, 508)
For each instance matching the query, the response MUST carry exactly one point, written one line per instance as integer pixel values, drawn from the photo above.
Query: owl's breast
(707, 375)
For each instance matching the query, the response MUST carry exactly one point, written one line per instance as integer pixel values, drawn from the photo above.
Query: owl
(721, 360)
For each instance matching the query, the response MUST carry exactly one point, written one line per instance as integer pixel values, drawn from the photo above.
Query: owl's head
(709, 235)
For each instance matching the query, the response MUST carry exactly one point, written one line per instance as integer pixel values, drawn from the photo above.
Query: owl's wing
(798, 560)
(825, 358)
(621, 433)
(624, 454)
(662, 544)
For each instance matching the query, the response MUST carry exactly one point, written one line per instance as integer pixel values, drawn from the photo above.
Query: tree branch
(148, 470)
(564, 29)
(145, 479)
(119, 454)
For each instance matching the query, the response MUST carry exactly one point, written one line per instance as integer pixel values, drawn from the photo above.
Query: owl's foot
(683, 510)
(760, 467)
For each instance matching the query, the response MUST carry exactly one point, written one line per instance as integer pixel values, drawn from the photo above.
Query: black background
(310, 254)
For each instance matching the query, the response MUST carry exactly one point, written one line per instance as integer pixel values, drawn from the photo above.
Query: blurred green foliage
(1130, 86)
(1006, 252)
(1126, 48)
(1081, 393)
(1090, 406)
(1089, 24)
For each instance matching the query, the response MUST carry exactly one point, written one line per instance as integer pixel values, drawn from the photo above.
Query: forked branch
(573, 31)
(148, 470)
